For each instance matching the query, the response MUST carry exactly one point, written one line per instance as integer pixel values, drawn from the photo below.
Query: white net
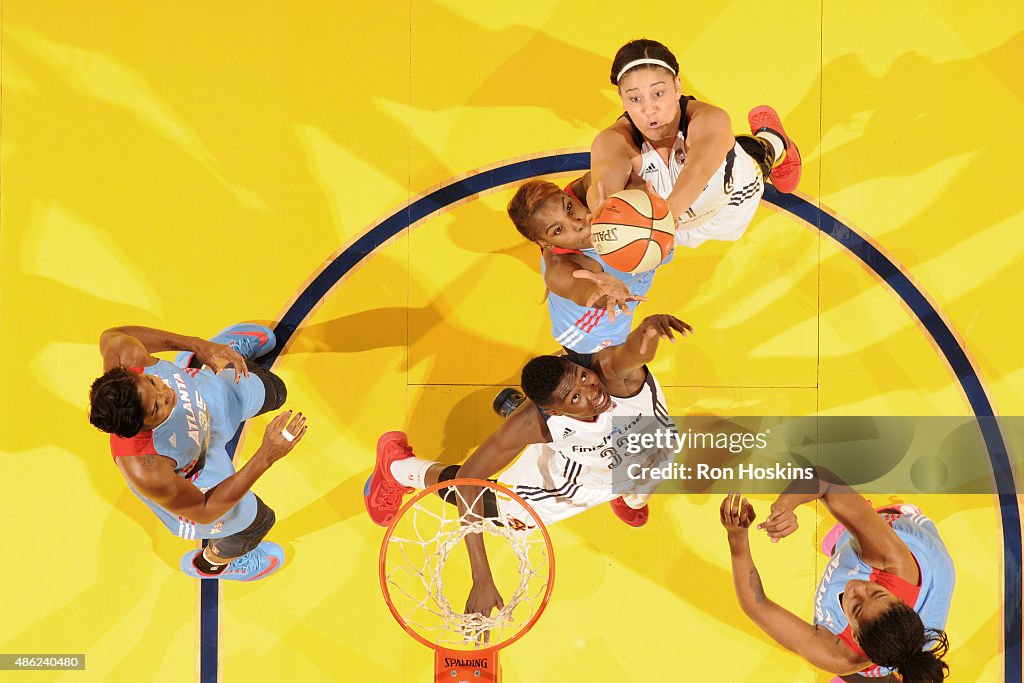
(423, 577)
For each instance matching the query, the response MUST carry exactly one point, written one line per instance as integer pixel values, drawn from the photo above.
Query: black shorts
(248, 538)
(490, 502)
(274, 388)
(759, 150)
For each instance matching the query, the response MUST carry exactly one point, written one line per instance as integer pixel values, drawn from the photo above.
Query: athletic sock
(204, 565)
(411, 471)
(636, 500)
(777, 142)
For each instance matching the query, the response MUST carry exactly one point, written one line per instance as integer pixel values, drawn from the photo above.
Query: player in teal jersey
(169, 426)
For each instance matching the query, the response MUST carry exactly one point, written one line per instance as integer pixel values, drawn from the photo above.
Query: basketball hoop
(418, 570)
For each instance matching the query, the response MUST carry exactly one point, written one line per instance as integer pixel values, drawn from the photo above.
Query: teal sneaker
(258, 563)
(250, 340)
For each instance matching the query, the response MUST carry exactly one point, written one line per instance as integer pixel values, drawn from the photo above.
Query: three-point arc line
(881, 265)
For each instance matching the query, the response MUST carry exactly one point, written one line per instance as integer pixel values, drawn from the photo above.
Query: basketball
(634, 232)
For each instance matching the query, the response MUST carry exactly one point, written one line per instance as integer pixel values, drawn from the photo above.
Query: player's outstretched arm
(589, 286)
(521, 429)
(154, 477)
(879, 545)
(642, 343)
(817, 645)
(782, 520)
(610, 167)
(709, 138)
(132, 346)
(126, 347)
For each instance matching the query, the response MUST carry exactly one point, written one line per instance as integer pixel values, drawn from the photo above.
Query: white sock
(410, 471)
(777, 143)
(636, 500)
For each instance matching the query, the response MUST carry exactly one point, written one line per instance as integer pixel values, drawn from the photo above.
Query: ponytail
(926, 666)
(898, 640)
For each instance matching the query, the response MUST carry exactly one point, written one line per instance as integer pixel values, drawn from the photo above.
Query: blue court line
(857, 245)
(971, 383)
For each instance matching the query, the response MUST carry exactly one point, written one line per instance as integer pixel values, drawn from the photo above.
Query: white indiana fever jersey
(587, 463)
(590, 454)
(737, 181)
(725, 207)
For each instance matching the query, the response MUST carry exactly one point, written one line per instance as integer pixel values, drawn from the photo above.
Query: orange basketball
(634, 232)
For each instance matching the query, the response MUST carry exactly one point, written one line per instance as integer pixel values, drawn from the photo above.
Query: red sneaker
(382, 492)
(786, 176)
(630, 515)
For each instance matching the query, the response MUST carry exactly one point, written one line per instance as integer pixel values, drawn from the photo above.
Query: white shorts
(731, 221)
(551, 499)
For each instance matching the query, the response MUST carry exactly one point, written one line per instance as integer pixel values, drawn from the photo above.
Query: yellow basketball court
(188, 165)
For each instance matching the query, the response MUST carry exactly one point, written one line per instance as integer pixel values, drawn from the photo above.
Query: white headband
(638, 62)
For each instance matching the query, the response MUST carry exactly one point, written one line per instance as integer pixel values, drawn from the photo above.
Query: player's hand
(602, 199)
(781, 522)
(661, 326)
(483, 598)
(219, 356)
(607, 285)
(736, 514)
(276, 443)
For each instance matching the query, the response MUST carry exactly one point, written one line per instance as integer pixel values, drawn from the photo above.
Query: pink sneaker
(382, 493)
(786, 176)
(890, 513)
(631, 516)
(828, 544)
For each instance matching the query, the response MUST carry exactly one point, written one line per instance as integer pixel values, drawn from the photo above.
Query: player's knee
(269, 521)
(265, 517)
(280, 391)
(759, 150)
(449, 496)
(447, 474)
(276, 393)
(246, 540)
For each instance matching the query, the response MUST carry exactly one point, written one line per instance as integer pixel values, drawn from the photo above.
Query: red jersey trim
(140, 444)
(901, 588)
(847, 637)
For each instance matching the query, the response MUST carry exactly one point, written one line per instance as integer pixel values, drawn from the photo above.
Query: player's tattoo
(149, 460)
(755, 585)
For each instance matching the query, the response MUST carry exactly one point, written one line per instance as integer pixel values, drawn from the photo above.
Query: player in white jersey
(570, 439)
(686, 150)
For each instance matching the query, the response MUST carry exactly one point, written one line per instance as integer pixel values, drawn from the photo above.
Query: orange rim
(497, 488)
